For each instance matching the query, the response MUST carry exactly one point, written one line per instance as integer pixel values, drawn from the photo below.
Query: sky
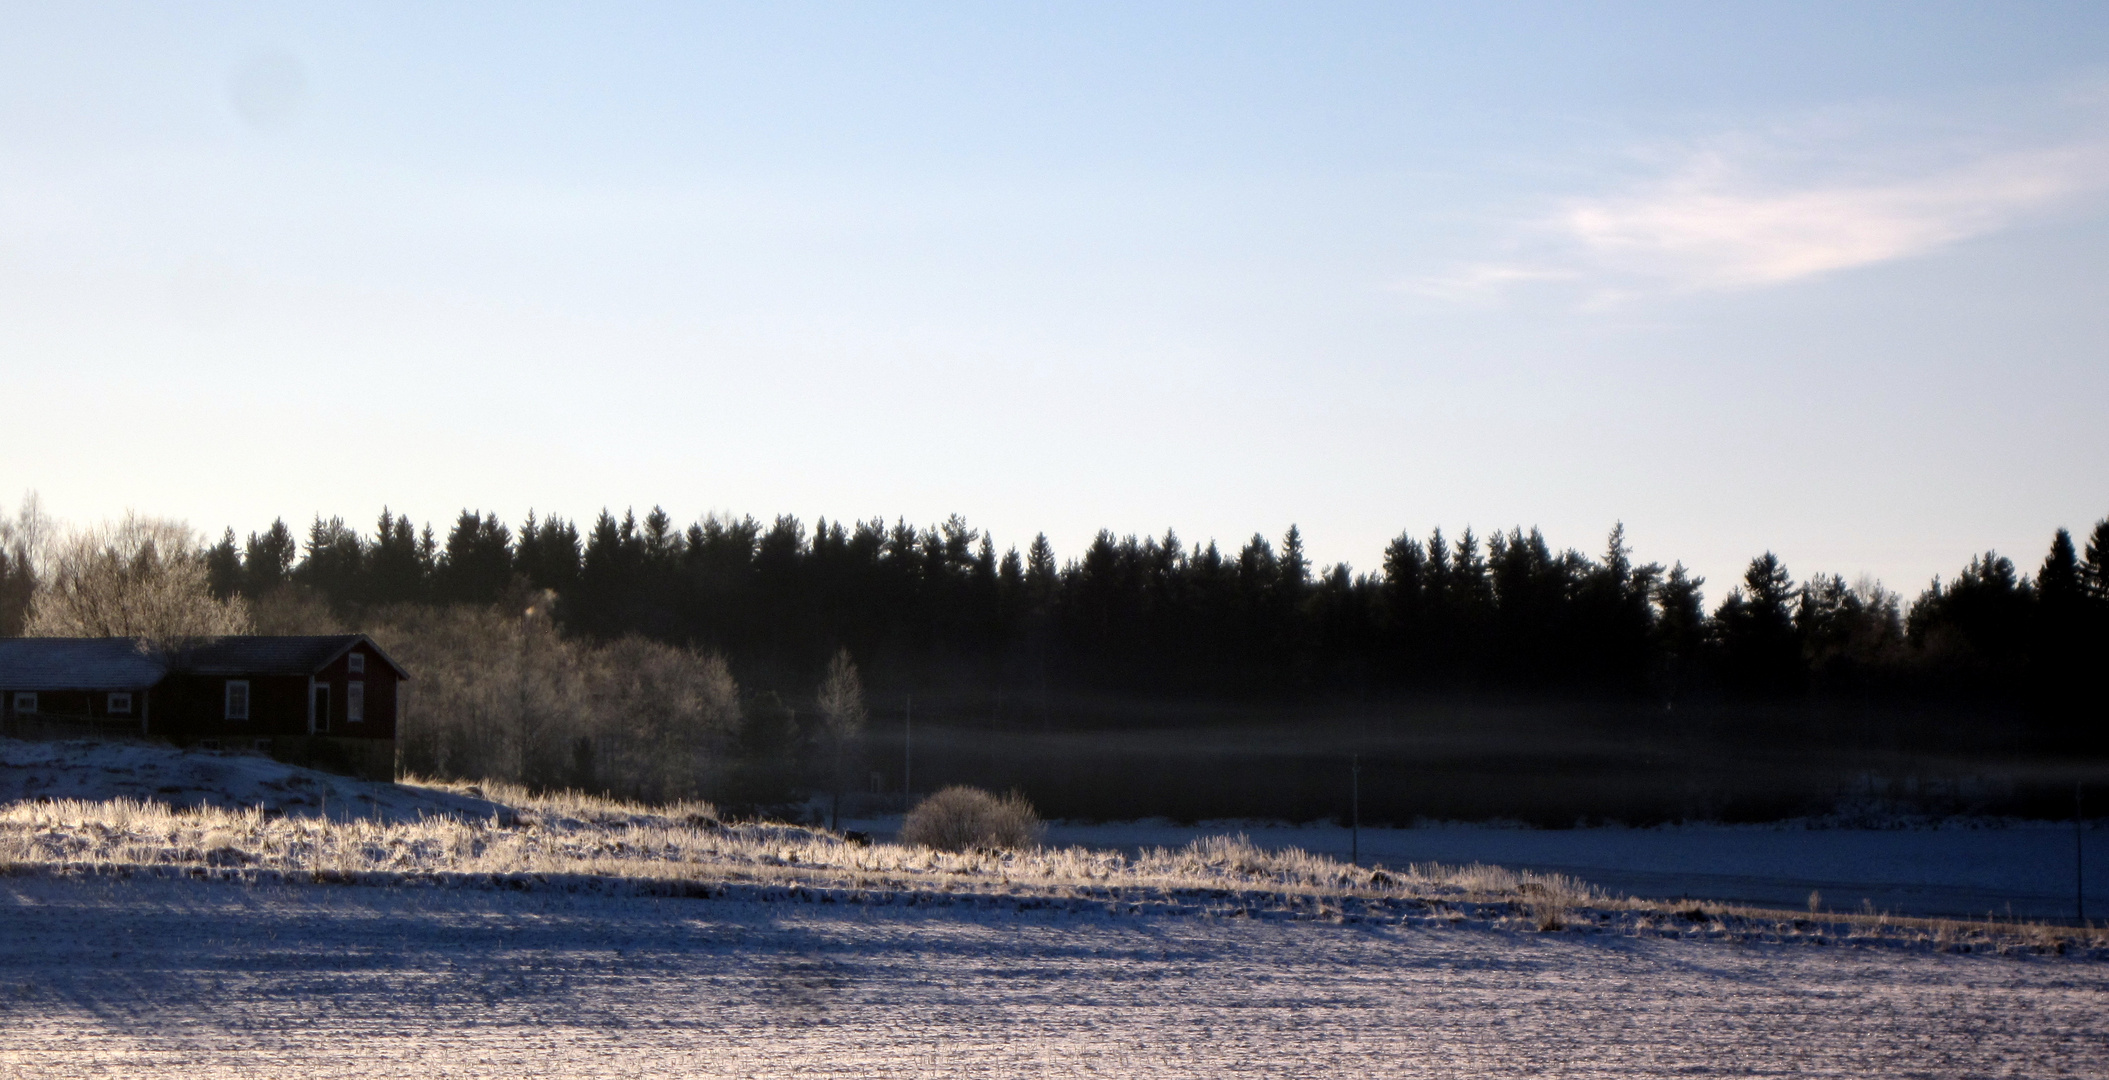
(1827, 280)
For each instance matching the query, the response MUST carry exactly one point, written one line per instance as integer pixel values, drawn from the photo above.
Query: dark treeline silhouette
(940, 610)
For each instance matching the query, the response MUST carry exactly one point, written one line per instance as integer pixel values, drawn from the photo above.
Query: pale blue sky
(1824, 279)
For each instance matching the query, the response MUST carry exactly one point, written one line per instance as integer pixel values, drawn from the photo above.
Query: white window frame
(25, 702)
(355, 702)
(119, 703)
(355, 663)
(232, 714)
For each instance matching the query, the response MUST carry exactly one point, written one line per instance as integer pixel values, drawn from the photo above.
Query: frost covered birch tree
(841, 701)
(141, 577)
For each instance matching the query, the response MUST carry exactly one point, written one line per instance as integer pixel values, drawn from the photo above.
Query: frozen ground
(2022, 869)
(105, 977)
(98, 771)
(565, 936)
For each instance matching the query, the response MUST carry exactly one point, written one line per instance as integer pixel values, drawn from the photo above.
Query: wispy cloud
(1747, 213)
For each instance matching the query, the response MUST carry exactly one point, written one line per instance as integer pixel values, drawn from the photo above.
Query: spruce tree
(2060, 650)
(2094, 571)
(1295, 572)
(477, 563)
(1039, 574)
(2058, 583)
(394, 570)
(223, 567)
(1680, 631)
(268, 559)
(335, 563)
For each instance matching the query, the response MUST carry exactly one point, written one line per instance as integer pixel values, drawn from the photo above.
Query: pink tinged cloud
(1717, 224)
(1709, 228)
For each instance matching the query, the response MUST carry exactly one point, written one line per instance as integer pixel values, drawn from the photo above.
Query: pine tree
(1760, 648)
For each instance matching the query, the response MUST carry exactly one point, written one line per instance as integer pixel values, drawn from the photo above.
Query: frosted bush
(966, 819)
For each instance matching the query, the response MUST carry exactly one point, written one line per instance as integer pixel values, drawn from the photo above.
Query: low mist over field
(1146, 677)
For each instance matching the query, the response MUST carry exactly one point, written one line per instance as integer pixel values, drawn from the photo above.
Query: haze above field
(1822, 280)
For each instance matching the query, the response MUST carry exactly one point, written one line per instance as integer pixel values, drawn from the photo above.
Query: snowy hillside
(155, 772)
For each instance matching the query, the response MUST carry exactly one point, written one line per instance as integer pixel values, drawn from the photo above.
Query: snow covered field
(348, 929)
(103, 977)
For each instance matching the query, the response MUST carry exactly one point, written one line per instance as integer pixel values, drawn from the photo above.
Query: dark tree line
(941, 608)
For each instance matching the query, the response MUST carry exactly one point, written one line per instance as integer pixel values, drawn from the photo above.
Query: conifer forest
(1464, 666)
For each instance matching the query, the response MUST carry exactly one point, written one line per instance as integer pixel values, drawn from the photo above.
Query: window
(322, 708)
(120, 704)
(237, 699)
(26, 702)
(356, 663)
(354, 701)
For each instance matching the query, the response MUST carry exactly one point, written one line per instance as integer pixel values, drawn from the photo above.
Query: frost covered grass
(571, 835)
(570, 841)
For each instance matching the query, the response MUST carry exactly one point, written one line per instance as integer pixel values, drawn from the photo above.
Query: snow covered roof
(275, 655)
(120, 663)
(77, 664)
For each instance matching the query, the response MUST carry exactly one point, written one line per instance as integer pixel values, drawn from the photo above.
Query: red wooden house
(328, 702)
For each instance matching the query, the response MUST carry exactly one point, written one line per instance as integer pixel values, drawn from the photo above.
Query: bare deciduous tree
(23, 540)
(142, 577)
(29, 536)
(501, 695)
(841, 701)
(665, 717)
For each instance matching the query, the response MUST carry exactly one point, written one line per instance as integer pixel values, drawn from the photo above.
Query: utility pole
(1354, 813)
(2079, 858)
(908, 754)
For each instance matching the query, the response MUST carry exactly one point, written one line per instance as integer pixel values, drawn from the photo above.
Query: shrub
(1552, 899)
(961, 818)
